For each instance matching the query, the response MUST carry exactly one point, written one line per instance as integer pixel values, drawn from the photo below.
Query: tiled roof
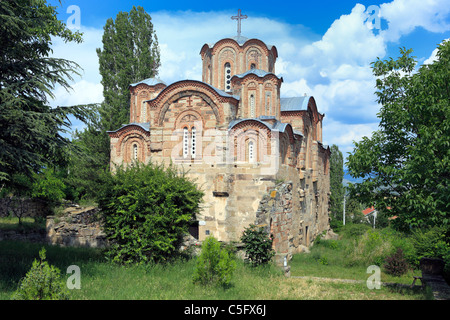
(149, 81)
(145, 126)
(257, 72)
(294, 103)
(368, 210)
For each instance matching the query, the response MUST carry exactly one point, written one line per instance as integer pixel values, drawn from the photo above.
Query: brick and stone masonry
(258, 157)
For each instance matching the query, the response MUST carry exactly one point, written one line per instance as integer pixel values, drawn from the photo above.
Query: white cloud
(83, 92)
(343, 134)
(404, 16)
(347, 41)
(334, 67)
(82, 53)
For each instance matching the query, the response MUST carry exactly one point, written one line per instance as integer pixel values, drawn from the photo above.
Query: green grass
(12, 223)
(103, 280)
(310, 265)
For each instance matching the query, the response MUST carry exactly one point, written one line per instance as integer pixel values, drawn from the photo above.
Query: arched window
(193, 137)
(135, 152)
(253, 66)
(251, 152)
(252, 106)
(185, 142)
(227, 73)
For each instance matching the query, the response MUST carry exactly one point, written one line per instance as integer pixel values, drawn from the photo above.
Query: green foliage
(42, 282)
(91, 158)
(323, 261)
(146, 210)
(354, 230)
(257, 245)
(396, 264)
(431, 243)
(48, 187)
(371, 248)
(405, 165)
(130, 54)
(214, 264)
(31, 135)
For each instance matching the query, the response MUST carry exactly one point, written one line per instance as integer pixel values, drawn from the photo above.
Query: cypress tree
(130, 53)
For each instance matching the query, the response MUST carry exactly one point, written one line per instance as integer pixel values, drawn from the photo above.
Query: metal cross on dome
(239, 17)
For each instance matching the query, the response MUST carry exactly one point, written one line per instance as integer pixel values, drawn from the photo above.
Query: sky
(325, 48)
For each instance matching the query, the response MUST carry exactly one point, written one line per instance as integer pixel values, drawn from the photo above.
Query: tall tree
(336, 177)
(130, 54)
(31, 131)
(406, 163)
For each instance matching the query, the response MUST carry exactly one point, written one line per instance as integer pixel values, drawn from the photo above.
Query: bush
(353, 230)
(371, 248)
(42, 282)
(257, 245)
(147, 209)
(396, 264)
(48, 187)
(214, 265)
(431, 243)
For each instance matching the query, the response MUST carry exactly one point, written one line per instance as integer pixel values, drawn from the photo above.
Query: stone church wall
(289, 204)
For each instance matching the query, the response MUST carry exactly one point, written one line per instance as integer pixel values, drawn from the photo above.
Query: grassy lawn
(12, 223)
(102, 280)
(329, 263)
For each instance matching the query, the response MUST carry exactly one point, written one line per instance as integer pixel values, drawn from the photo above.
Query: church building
(257, 156)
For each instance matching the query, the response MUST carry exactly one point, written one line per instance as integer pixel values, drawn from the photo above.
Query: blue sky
(324, 47)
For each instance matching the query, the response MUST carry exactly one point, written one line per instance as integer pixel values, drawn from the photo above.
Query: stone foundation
(77, 228)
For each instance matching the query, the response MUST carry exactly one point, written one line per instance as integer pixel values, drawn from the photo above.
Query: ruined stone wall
(294, 211)
(78, 227)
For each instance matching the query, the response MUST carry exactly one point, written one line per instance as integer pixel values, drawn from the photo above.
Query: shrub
(353, 230)
(257, 245)
(48, 187)
(431, 243)
(371, 248)
(42, 282)
(146, 211)
(214, 264)
(323, 261)
(396, 264)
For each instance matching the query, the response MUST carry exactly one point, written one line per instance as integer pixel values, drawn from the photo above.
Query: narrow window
(227, 77)
(144, 112)
(193, 142)
(135, 151)
(251, 152)
(185, 142)
(268, 103)
(253, 66)
(252, 106)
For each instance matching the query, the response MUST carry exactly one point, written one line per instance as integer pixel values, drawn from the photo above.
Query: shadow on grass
(16, 258)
